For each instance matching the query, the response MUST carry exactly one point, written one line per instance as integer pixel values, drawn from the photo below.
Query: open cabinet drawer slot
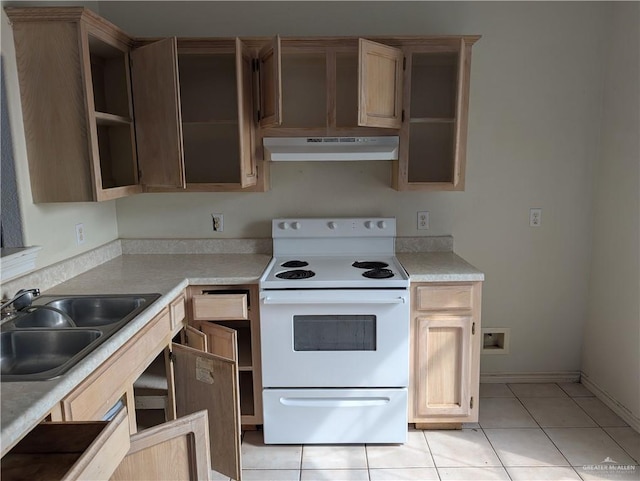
(69, 451)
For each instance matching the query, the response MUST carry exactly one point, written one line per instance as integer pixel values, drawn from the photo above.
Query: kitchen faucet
(22, 299)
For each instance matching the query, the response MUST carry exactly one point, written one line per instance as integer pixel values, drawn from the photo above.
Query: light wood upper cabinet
(445, 353)
(154, 72)
(380, 79)
(73, 68)
(214, 97)
(108, 116)
(270, 84)
(330, 86)
(244, 88)
(433, 138)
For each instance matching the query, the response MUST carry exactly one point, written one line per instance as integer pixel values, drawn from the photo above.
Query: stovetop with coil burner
(334, 254)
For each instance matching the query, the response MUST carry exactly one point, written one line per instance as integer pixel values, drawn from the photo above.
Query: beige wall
(536, 86)
(611, 351)
(51, 226)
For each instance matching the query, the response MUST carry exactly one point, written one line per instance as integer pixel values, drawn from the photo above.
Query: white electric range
(334, 309)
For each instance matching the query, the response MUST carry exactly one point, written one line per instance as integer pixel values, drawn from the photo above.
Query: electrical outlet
(217, 221)
(423, 220)
(535, 217)
(80, 234)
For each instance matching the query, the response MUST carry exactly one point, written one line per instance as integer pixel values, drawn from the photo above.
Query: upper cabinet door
(244, 59)
(380, 78)
(270, 85)
(210, 382)
(173, 450)
(156, 94)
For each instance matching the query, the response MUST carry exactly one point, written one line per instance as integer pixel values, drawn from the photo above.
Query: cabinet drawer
(177, 310)
(444, 297)
(107, 384)
(220, 307)
(69, 451)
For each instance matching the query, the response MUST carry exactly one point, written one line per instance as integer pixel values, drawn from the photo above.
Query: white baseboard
(504, 377)
(615, 406)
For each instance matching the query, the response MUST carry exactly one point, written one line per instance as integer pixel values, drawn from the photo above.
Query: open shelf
(245, 361)
(431, 148)
(246, 394)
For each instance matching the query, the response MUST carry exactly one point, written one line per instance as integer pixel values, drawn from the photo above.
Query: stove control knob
(382, 224)
(283, 225)
(368, 224)
(332, 225)
(295, 225)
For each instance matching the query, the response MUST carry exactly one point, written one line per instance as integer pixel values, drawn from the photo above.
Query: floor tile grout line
(509, 388)
(366, 459)
(598, 425)
(426, 440)
(496, 453)
(547, 434)
(590, 417)
(433, 460)
(637, 461)
(527, 411)
(301, 458)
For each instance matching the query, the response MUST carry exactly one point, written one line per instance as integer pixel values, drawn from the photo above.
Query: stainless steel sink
(42, 317)
(36, 354)
(56, 332)
(99, 310)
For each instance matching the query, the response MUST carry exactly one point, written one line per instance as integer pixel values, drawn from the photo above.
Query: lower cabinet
(230, 324)
(198, 428)
(445, 354)
(104, 450)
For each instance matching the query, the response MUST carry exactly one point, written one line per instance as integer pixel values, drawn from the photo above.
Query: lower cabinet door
(173, 450)
(204, 381)
(443, 366)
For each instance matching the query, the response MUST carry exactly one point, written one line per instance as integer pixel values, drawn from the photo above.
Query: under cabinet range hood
(330, 148)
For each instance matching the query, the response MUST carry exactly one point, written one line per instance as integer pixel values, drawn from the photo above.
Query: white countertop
(25, 404)
(438, 267)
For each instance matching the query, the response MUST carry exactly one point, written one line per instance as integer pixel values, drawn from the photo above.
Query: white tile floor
(526, 432)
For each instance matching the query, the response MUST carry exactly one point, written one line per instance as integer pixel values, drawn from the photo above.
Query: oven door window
(334, 333)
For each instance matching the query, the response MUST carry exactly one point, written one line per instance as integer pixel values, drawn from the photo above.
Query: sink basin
(56, 332)
(41, 317)
(93, 311)
(34, 354)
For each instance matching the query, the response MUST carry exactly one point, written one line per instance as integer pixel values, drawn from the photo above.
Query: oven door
(335, 338)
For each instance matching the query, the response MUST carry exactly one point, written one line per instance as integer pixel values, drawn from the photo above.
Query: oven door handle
(342, 402)
(329, 300)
